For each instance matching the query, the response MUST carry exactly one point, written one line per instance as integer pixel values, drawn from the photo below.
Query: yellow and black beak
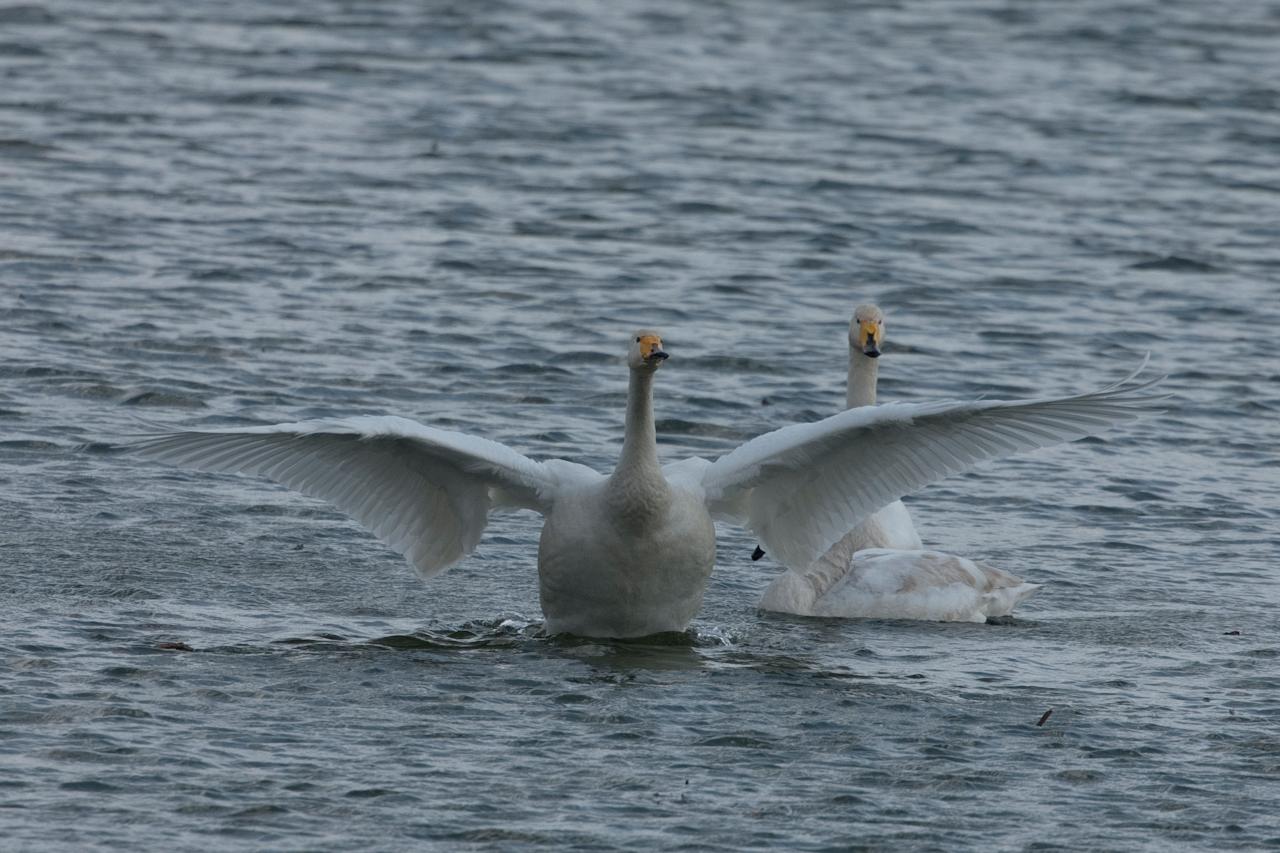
(868, 341)
(651, 349)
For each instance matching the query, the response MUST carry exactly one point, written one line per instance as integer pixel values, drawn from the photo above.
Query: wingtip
(1133, 389)
(149, 429)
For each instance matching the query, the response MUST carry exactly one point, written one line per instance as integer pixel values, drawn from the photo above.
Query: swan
(629, 554)
(880, 568)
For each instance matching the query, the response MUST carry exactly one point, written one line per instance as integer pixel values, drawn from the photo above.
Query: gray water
(237, 213)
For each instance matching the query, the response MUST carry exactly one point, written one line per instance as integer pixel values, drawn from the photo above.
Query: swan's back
(880, 583)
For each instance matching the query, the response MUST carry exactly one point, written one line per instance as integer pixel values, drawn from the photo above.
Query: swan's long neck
(640, 448)
(637, 488)
(862, 379)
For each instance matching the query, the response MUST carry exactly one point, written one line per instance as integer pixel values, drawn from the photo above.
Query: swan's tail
(1002, 600)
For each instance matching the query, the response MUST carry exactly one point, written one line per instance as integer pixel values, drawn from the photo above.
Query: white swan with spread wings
(629, 554)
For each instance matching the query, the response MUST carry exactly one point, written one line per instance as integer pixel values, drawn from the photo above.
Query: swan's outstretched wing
(802, 487)
(423, 491)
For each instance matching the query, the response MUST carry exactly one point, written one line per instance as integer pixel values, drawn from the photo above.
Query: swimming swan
(879, 569)
(628, 554)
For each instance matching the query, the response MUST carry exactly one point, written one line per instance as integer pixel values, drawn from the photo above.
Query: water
(235, 213)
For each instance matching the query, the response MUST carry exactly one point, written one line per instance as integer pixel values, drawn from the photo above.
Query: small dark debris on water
(1234, 633)
(757, 553)
(175, 647)
(298, 547)
(764, 401)
(1044, 717)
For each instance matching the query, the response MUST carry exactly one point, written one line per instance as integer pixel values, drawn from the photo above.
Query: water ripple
(223, 215)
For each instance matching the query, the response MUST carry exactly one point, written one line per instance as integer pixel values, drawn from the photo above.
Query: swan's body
(629, 554)
(879, 569)
(609, 567)
(887, 583)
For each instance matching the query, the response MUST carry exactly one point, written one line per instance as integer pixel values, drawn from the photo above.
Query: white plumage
(889, 583)
(878, 567)
(629, 554)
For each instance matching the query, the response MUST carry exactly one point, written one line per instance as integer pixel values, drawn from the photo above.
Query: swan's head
(866, 331)
(646, 351)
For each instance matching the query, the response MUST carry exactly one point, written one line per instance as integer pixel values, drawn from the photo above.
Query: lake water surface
(236, 213)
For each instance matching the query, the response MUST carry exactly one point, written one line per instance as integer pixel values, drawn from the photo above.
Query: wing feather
(425, 492)
(802, 487)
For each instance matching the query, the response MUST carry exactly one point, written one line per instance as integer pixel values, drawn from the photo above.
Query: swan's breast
(610, 575)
